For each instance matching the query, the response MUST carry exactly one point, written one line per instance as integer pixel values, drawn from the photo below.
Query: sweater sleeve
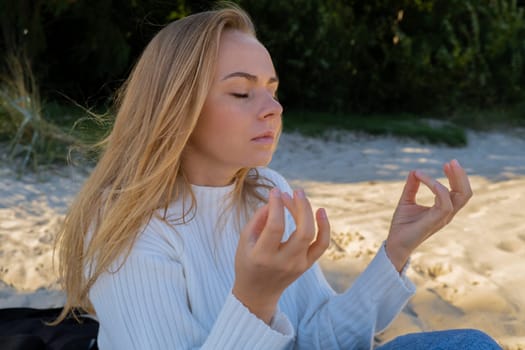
(349, 320)
(143, 305)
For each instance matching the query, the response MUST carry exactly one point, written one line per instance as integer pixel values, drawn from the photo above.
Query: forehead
(242, 52)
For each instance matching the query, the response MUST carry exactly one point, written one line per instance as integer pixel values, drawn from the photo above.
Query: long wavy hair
(140, 170)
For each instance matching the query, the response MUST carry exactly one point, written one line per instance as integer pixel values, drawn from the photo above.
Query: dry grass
(33, 140)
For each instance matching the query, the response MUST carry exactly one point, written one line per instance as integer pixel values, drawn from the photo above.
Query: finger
(289, 204)
(442, 202)
(272, 233)
(254, 227)
(305, 223)
(304, 220)
(408, 196)
(457, 177)
(322, 241)
(461, 191)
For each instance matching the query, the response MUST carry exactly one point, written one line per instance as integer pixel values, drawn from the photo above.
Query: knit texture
(174, 291)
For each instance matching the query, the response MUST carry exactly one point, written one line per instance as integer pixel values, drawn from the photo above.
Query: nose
(270, 107)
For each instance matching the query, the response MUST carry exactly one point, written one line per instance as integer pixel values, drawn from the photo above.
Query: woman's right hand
(264, 265)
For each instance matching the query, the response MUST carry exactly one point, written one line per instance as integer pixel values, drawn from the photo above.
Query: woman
(182, 238)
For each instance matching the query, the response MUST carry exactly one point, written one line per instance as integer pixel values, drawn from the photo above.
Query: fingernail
(322, 213)
(455, 162)
(300, 193)
(286, 196)
(275, 192)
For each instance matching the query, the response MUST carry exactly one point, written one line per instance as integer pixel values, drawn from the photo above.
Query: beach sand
(469, 275)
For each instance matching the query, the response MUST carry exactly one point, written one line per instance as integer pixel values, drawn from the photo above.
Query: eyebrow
(249, 77)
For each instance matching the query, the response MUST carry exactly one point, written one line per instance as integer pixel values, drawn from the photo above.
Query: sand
(469, 275)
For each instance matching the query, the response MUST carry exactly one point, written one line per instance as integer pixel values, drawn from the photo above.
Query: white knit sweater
(174, 292)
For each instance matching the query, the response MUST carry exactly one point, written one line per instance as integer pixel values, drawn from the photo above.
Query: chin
(259, 163)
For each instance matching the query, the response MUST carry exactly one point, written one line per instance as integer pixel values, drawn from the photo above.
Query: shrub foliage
(338, 56)
(395, 55)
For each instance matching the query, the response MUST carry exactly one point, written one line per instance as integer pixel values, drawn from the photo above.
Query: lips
(266, 137)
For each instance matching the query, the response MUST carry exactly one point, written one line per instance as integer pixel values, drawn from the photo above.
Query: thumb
(408, 196)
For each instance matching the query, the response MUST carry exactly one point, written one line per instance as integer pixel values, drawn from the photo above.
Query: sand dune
(470, 275)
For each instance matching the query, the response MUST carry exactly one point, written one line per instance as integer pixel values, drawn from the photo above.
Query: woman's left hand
(412, 223)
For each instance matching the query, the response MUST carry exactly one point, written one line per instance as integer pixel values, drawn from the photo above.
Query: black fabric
(26, 329)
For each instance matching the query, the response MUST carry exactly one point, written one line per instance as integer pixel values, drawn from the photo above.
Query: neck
(210, 177)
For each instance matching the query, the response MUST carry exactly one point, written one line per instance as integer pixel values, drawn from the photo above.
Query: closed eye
(239, 95)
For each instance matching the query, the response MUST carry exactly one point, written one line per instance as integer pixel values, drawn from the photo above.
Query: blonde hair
(140, 169)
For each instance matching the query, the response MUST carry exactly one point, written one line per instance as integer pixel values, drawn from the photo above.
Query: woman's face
(241, 118)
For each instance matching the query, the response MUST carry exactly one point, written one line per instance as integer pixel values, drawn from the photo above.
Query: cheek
(219, 127)
(210, 118)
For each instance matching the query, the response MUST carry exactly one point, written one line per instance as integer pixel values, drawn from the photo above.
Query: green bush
(84, 48)
(391, 56)
(474, 58)
(377, 56)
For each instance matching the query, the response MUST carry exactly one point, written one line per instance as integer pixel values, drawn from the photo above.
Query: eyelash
(239, 95)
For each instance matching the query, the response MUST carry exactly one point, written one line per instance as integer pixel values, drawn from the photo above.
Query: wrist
(397, 256)
(258, 306)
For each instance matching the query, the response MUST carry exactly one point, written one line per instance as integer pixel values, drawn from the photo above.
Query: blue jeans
(457, 339)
